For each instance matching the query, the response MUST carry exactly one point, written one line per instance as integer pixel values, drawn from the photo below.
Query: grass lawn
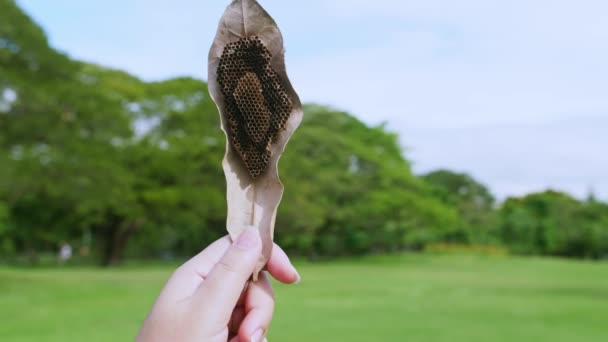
(397, 298)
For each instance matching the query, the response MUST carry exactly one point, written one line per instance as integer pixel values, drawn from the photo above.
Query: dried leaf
(259, 110)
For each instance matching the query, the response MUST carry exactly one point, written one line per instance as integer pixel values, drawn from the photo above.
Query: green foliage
(474, 202)
(554, 223)
(64, 136)
(349, 190)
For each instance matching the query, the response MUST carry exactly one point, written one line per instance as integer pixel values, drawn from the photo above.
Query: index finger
(188, 277)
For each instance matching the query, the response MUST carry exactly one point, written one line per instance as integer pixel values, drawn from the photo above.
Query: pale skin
(211, 299)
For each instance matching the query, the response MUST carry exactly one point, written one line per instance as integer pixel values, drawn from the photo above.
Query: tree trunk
(114, 242)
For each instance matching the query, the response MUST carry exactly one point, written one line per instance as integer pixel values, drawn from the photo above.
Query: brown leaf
(259, 110)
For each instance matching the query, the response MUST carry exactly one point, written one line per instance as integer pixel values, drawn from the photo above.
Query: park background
(461, 194)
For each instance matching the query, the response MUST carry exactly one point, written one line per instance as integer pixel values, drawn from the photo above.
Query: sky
(515, 93)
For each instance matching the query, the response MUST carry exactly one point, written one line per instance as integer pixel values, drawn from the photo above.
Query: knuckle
(227, 267)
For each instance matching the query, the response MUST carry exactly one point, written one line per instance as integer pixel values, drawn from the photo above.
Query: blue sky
(513, 92)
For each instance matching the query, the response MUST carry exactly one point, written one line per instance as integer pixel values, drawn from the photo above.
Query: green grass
(398, 298)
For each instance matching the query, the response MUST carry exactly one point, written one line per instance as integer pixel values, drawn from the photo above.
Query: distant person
(65, 252)
(210, 298)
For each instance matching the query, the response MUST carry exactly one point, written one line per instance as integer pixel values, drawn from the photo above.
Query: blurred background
(448, 182)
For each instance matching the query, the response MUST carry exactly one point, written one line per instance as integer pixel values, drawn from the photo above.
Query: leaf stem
(253, 207)
(243, 6)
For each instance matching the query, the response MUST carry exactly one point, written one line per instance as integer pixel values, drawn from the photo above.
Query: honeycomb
(257, 106)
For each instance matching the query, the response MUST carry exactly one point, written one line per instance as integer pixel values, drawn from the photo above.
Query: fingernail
(248, 238)
(258, 336)
(298, 279)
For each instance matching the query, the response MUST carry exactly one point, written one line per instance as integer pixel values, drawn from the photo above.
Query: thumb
(220, 292)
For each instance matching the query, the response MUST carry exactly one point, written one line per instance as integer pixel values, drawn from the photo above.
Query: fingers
(259, 306)
(218, 294)
(281, 268)
(187, 278)
(203, 262)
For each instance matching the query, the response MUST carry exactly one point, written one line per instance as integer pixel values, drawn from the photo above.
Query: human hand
(210, 298)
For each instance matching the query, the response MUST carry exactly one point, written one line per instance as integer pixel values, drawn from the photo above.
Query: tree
(178, 165)
(63, 134)
(473, 200)
(554, 223)
(350, 190)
